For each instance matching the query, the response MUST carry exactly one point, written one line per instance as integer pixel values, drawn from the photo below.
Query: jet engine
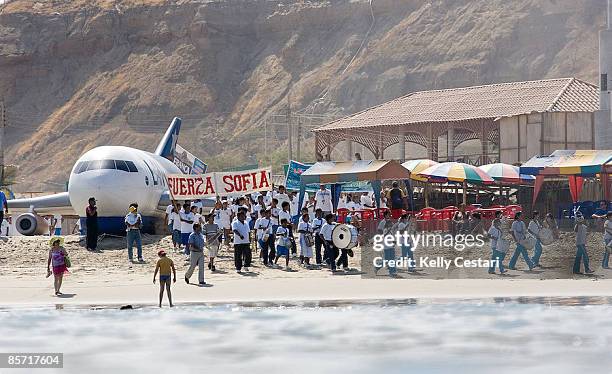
(31, 224)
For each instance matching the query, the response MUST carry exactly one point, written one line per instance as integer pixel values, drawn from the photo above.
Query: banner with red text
(210, 185)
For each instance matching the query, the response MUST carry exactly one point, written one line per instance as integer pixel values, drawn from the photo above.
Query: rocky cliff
(80, 73)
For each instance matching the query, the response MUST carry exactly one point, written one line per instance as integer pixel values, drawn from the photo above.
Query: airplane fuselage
(118, 176)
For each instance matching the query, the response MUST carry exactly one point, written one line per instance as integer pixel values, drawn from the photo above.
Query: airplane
(115, 176)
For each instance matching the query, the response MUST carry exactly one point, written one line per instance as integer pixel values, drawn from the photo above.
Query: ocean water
(531, 335)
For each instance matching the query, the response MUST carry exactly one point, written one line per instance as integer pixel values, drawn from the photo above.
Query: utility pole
(299, 138)
(289, 133)
(2, 127)
(266, 137)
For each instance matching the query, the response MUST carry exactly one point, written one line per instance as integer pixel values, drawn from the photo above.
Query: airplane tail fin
(165, 148)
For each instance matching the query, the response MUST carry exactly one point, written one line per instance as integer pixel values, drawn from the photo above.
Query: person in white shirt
(498, 247)
(223, 218)
(274, 212)
(607, 237)
(581, 253)
(198, 204)
(406, 225)
(4, 227)
(283, 242)
(366, 201)
(49, 222)
(519, 233)
(265, 237)
(197, 217)
(257, 208)
(293, 204)
(342, 201)
(133, 222)
(242, 242)
(306, 239)
(281, 195)
(352, 204)
(385, 227)
(534, 228)
(175, 218)
(187, 219)
(267, 198)
(331, 251)
(286, 214)
(323, 200)
(57, 224)
(310, 205)
(168, 217)
(317, 223)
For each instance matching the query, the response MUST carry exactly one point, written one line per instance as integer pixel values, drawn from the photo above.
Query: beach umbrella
(457, 172)
(505, 173)
(416, 166)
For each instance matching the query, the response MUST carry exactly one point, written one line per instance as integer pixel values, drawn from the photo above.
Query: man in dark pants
(317, 223)
(91, 222)
(242, 243)
(3, 206)
(331, 252)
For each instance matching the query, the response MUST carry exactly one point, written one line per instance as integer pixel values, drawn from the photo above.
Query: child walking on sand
(164, 266)
(283, 243)
(58, 257)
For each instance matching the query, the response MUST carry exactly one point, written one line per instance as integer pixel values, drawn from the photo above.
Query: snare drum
(345, 236)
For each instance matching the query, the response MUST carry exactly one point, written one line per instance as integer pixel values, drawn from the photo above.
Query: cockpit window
(131, 167)
(127, 166)
(107, 164)
(121, 165)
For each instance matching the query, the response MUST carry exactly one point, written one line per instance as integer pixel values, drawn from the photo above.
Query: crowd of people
(274, 226)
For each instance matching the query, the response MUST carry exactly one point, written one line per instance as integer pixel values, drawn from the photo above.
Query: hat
(161, 253)
(56, 238)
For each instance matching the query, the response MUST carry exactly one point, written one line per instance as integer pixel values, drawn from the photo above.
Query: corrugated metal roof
(489, 101)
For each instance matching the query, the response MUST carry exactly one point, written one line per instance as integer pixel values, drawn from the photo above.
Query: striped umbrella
(506, 174)
(417, 166)
(456, 172)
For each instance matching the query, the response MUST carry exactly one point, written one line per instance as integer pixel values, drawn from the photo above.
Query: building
(512, 121)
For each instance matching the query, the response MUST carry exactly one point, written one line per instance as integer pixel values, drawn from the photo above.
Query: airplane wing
(49, 204)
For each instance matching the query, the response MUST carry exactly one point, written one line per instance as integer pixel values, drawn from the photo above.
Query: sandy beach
(106, 277)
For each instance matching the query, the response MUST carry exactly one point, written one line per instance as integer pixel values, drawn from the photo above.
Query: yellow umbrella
(417, 166)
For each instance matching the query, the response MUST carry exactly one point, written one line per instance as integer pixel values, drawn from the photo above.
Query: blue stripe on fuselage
(116, 225)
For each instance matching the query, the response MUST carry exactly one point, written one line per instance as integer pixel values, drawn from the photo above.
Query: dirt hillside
(80, 73)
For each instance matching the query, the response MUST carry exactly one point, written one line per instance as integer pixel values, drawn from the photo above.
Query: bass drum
(546, 236)
(345, 236)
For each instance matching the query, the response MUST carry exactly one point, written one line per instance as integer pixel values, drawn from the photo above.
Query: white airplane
(116, 177)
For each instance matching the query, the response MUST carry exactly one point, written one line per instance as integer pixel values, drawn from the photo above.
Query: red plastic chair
(367, 215)
(342, 213)
(396, 213)
(511, 210)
